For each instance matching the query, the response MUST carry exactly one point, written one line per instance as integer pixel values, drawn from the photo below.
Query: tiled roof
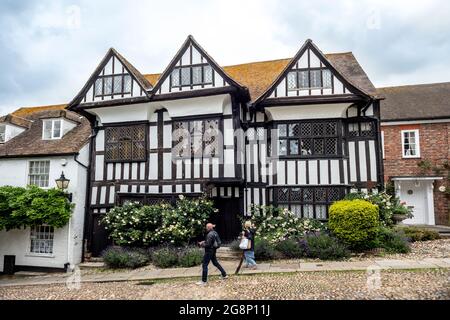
(30, 143)
(258, 76)
(414, 102)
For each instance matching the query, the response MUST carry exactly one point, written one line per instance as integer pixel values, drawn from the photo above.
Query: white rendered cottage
(39, 144)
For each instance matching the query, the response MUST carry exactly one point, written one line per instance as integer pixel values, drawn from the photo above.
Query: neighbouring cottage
(36, 146)
(298, 133)
(415, 128)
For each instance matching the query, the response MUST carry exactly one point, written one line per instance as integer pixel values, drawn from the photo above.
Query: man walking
(211, 244)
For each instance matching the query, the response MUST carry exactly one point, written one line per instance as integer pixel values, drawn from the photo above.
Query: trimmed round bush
(354, 222)
(118, 257)
(289, 248)
(165, 257)
(325, 247)
(190, 257)
(264, 250)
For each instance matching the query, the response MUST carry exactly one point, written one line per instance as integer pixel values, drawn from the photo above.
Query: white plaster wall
(67, 246)
(318, 111)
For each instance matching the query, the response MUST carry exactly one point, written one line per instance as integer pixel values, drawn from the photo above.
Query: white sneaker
(201, 283)
(224, 278)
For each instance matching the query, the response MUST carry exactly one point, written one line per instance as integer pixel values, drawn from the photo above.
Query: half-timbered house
(297, 133)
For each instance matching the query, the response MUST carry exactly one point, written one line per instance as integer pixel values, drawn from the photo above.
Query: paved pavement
(230, 266)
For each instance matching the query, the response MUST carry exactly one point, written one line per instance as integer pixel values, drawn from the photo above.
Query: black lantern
(62, 183)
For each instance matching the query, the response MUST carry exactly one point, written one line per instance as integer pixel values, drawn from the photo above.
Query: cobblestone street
(411, 284)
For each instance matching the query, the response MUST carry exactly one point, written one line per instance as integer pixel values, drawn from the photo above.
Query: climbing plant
(24, 207)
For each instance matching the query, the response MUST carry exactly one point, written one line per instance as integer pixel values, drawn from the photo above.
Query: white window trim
(417, 138)
(28, 172)
(52, 136)
(30, 253)
(382, 145)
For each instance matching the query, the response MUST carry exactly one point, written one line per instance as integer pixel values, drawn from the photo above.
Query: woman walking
(249, 253)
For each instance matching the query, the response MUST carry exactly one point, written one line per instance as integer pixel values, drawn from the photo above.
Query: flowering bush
(277, 224)
(135, 225)
(387, 205)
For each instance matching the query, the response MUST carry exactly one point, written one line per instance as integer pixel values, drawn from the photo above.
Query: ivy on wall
(30, 206)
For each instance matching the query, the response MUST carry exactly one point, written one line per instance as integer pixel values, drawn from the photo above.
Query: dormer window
(192, 75)
(52, 129)
(2, 133)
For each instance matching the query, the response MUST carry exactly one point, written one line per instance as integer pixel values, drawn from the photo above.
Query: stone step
(91, 265)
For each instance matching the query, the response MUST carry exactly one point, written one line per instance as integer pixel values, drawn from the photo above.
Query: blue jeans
(250, 258)
(210, 255)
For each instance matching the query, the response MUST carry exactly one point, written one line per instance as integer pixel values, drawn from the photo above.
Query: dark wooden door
(100, 240)
(227, 221)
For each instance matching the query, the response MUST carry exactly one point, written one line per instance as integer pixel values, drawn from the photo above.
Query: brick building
(415, 129)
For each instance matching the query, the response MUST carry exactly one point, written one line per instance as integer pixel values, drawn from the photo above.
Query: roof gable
(114, 79)
(192, 68)
(310, 73)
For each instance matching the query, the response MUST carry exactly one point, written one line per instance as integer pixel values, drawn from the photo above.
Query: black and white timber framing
(310, 138)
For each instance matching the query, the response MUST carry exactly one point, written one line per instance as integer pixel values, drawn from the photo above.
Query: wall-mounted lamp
(63, 183)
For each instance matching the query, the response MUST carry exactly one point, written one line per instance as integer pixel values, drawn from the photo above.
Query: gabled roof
(191, 41)
(140, 79)
(30, 143)
(416, 102)
(342, 77)
(258, 76)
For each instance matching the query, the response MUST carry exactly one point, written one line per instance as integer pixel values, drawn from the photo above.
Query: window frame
(382, 144)
(103, 94)
(417, 143)
(191, 83)
(51, 238)
(40, 174)
(52, 131)
(2, 127)
(338, 136)
(192, 154)
(341, 190)
(145, 141)
(309, 71)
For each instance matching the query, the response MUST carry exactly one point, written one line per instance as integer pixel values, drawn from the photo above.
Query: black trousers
(210, 255)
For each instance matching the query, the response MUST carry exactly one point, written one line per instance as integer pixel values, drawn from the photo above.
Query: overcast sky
(48, 49)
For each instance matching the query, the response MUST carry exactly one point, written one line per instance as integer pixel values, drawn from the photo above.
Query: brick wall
(434, 146)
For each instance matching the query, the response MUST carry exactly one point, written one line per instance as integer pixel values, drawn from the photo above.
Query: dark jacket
(250, 235)
(211, 237)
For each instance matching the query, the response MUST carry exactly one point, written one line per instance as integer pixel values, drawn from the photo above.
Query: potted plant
(400, 211)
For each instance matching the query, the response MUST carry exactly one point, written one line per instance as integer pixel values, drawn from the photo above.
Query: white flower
(442, 188)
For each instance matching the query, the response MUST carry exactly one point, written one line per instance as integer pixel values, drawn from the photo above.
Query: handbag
(245, 244)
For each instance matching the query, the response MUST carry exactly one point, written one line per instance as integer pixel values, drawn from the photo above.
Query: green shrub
(393, 241)
(354, 222)
(118, 257)
(30, 206)
(190, 257)
(165, 257)
(325, 247)
(275, 224)
(135, 225)
(289, 248)
(420, 234)
(264, 250)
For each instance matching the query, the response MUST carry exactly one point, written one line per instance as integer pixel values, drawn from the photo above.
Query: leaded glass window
(117, 84)
(196, 138)
(305, 79)
(319, 138)
(308, 202)
(192, 75)
(125, 143)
